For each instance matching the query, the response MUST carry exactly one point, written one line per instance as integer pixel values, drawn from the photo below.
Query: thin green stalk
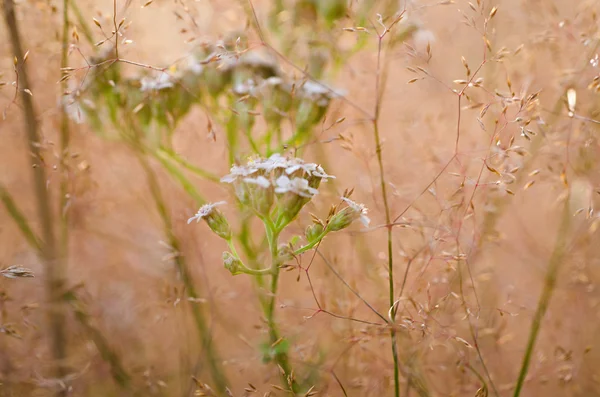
(231, 130)
(54, 281)
(217, 372)
(85, 28)
(177, 174)
(118, 372)
(388, 221)
(168, 154)
(20, 219)
(281, 357)
(65, 138)
(558, 255)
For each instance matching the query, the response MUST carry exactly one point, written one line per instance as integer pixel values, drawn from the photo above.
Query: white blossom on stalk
(204, 211)
(360, 209)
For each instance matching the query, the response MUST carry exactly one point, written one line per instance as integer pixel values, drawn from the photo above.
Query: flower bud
(346, 216)
(215, 220)
(284, 253)
(313, 232)
(342, 219)
(232, 263)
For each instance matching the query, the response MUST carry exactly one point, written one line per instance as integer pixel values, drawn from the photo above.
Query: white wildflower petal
(275, 161)
(320, 172)
(365, 220)
(282, 184)
(229, 178)
(292, 168)
(260, 181)
(244, 88)
(298, 186)
(204, 211)
(237, 171)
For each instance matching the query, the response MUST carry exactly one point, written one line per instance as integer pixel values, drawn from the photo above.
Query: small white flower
(244, 88)
(310, 169)
(275, 161)
(273, 81)
(159, 82)
(237, 171)
(194, 66)
(320, 93)
(293, 167)
(204, 211)
(314, 88)
(299, 186)
(360, 209)
(260, 181)
(320, 172)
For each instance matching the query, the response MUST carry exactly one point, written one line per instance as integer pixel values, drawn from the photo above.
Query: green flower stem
(203, 328)
(557, 258)
(171, 155)
(17, 215)
(246, 269)
(311, 245)
(179, 176)
(281, 357)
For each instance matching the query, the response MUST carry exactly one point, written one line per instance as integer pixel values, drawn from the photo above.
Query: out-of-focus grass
(477, 178)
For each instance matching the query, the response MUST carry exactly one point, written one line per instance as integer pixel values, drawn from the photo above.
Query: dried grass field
(410, 195)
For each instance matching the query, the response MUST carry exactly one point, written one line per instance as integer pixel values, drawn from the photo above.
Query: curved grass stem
(558, 255)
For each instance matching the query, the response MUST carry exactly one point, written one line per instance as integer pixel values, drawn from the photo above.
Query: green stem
(85, 28)
(556, 259)
(281, 357)
(246, 269)
(15, 213)
(119, 374)
(383, 184)
(171, 155)
(312, 244)
(186, 277)
(48, 253)
(180, 177)
(65, 138)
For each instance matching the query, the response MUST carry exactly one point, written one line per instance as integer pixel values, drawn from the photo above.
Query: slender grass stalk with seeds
(49, 251)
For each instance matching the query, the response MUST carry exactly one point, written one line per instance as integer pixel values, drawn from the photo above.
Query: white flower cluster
(283, 174)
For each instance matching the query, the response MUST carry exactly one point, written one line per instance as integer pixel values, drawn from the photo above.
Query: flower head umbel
(214, 218)
(292, 181)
